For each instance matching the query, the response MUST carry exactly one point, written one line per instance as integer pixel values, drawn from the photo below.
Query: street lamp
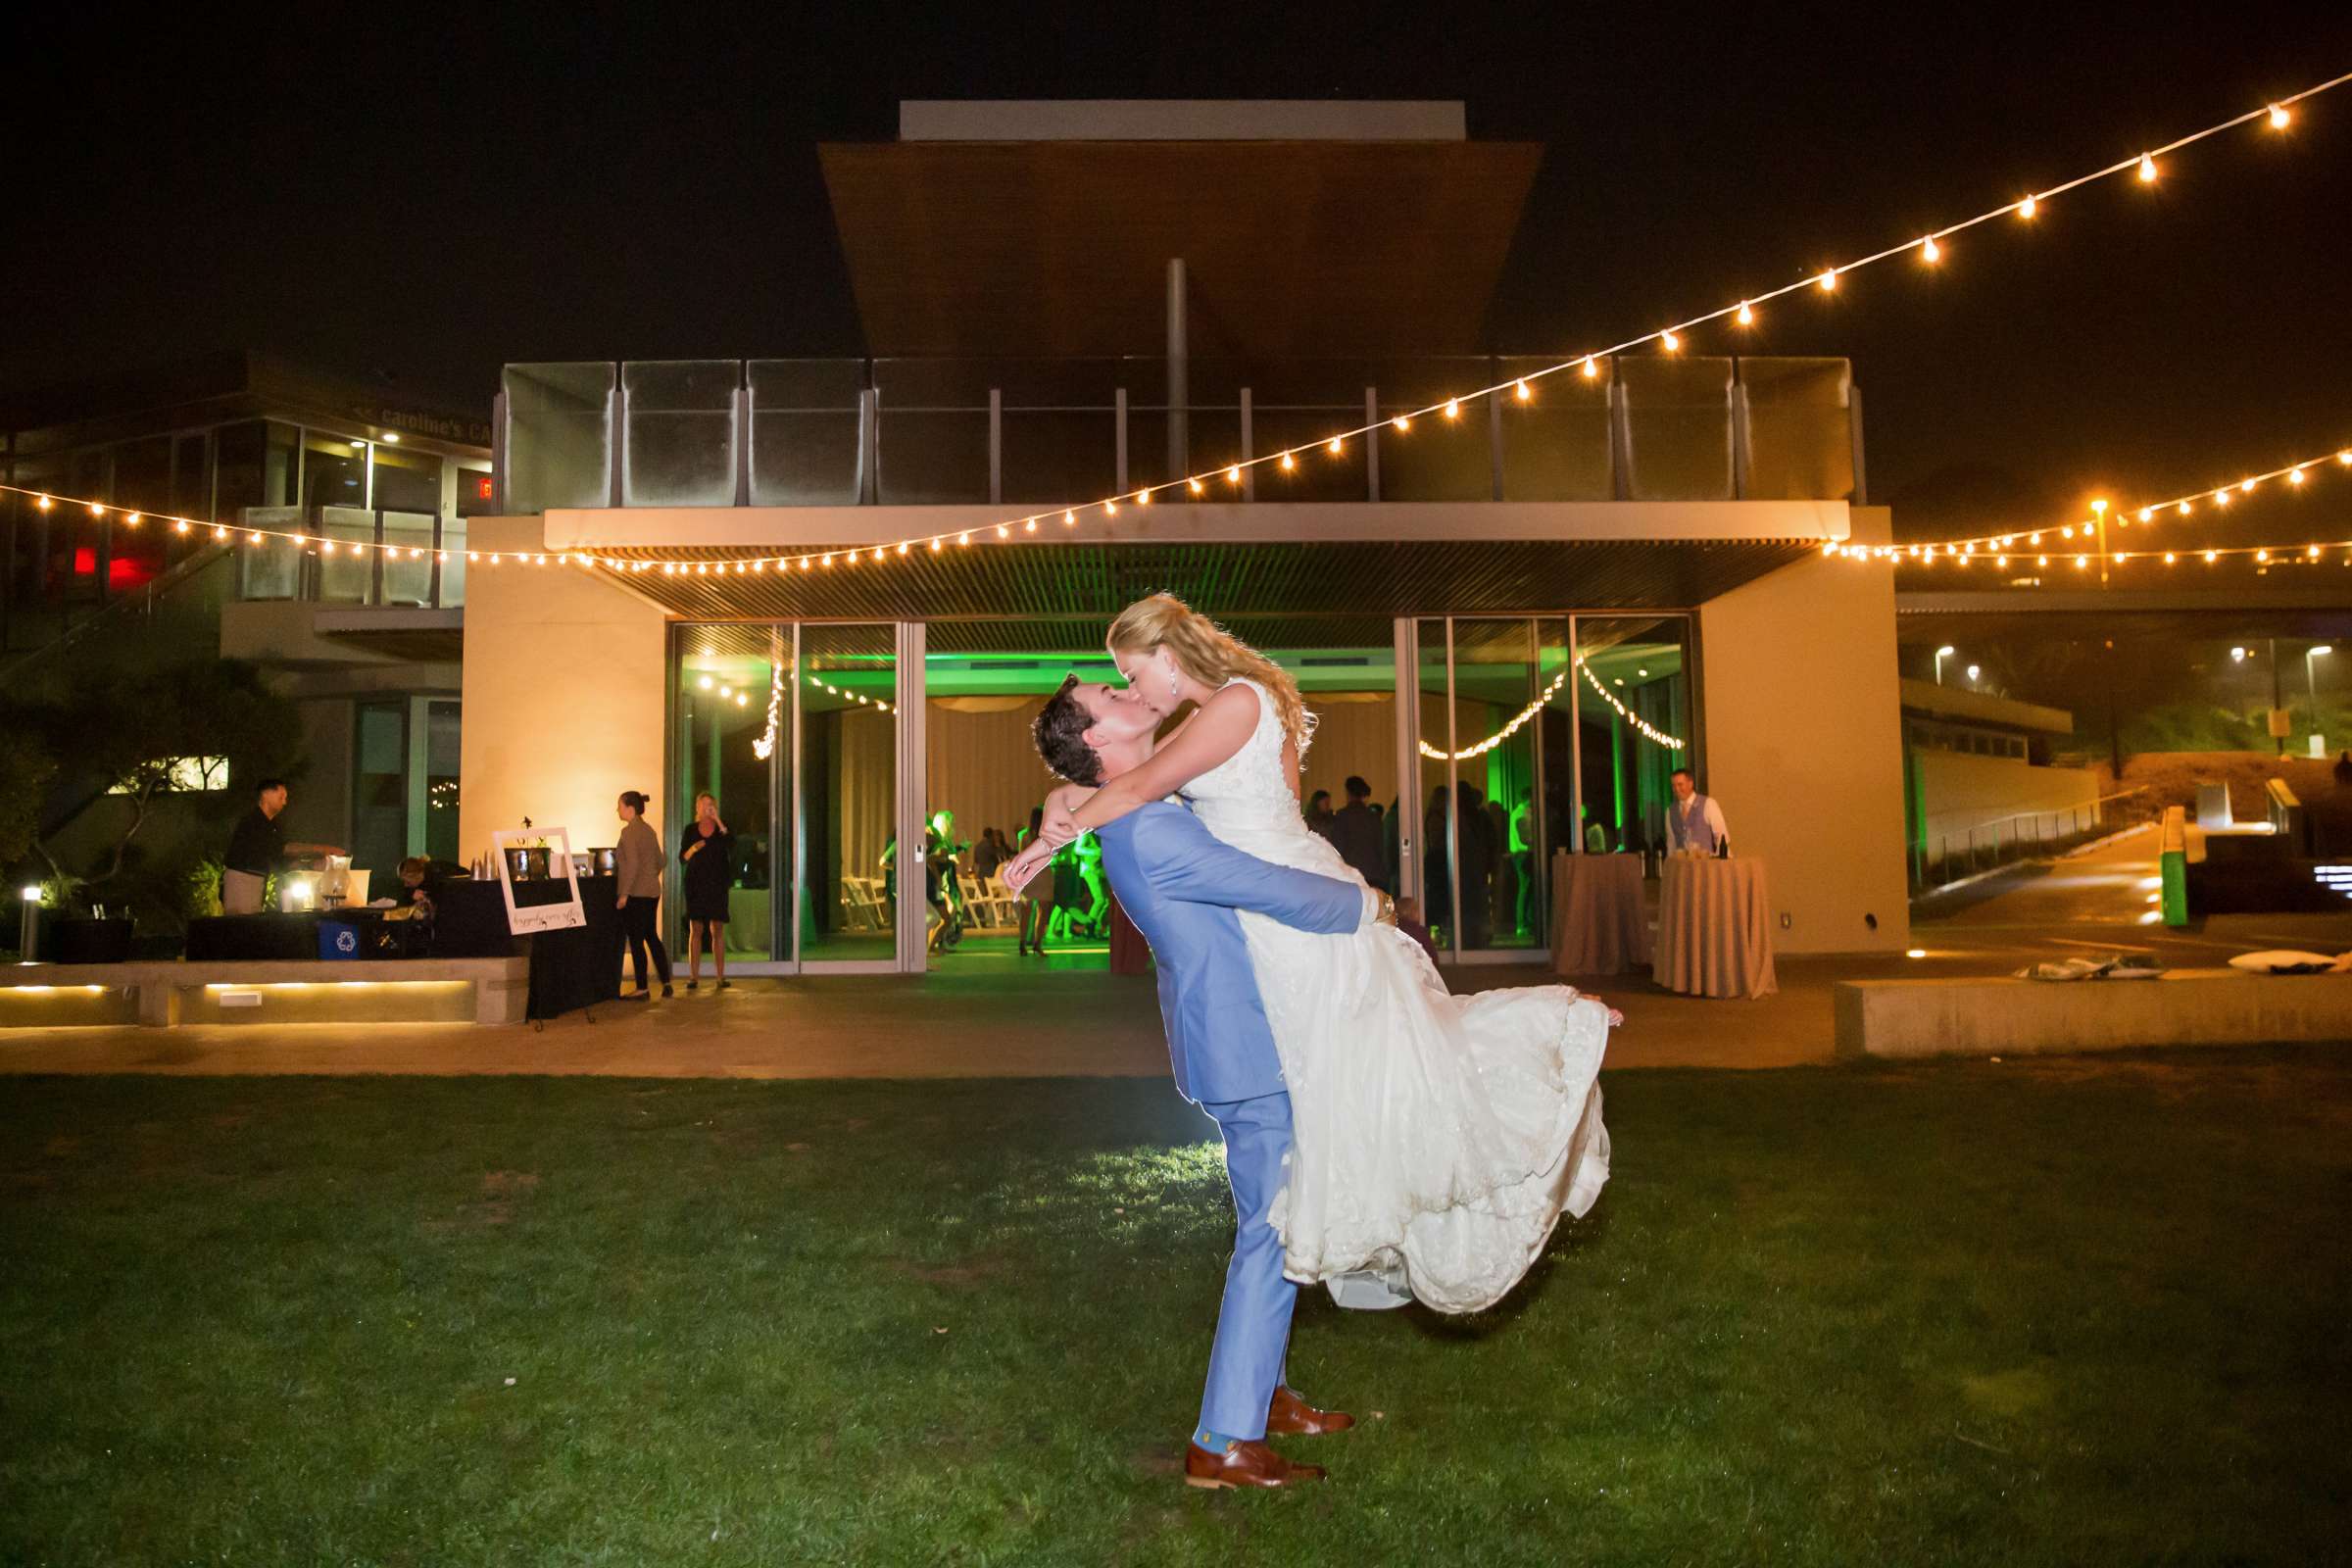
(1972, 674)
(1942, 654)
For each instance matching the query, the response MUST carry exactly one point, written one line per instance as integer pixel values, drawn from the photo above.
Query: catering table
(234, 937)
(1597, 923)
(1714, 928)
(574, 967)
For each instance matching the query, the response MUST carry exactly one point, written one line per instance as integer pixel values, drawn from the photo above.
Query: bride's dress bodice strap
(1251, 788)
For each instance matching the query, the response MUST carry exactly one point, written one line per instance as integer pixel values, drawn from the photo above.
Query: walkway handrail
(2047, 810)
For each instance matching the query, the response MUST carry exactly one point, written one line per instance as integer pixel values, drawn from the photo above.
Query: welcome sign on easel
(536, 874)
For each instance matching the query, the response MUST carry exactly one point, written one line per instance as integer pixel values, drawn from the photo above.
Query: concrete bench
(1999, 1016)
(160, 989)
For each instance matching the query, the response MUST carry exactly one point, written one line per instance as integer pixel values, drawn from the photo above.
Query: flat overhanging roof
(1294, 559)
(1292, 249)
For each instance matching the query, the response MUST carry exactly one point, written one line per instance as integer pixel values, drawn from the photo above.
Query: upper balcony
(924, 432)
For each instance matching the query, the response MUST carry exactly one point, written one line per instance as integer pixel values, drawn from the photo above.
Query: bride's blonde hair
(1211, 654)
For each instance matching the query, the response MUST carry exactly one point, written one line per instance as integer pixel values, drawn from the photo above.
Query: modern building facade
(832, 593)
(365, 643)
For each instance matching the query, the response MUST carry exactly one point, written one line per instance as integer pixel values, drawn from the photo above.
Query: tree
(131, 735)
(25, 769)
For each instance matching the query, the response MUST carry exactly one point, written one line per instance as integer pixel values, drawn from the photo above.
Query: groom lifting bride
(1382, 1136)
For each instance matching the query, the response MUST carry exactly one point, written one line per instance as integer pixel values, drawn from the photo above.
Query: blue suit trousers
(1253, 1323)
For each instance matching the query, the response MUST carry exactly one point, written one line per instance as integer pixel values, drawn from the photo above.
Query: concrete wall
(564, 696)
(1804, 743)
(1958, 792)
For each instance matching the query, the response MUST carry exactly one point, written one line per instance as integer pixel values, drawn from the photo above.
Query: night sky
(420, 199)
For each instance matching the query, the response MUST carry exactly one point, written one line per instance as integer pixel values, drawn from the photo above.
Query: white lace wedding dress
(1443, 1133)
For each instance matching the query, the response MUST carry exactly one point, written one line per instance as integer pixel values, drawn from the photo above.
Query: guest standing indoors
(708, 858)
(1695, 821)
(1037, 898)
(1319, 816)
(1355, 832)
(638, 859)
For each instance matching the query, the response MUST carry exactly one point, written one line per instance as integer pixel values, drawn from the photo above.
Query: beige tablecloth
(1715, 928)
(1597, 923)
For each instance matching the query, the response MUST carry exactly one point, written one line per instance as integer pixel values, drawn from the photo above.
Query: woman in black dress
(706, 850)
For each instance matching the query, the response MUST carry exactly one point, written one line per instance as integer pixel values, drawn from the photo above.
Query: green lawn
(2072, 1312)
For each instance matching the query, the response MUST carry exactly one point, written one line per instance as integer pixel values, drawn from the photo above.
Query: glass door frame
(1412, 856)
(788, 803)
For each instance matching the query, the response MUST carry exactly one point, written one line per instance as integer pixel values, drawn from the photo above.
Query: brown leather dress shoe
(1244, 1464)
(1290, 1416)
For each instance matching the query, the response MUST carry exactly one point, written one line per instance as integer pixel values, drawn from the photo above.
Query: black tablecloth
(222, 938)
(576, 967)
(570, 968)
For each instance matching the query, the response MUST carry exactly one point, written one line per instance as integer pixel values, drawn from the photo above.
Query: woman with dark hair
(708, 856)
(1036, 899)
(638, 862)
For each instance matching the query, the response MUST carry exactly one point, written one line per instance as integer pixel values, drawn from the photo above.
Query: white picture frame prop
(538, 909)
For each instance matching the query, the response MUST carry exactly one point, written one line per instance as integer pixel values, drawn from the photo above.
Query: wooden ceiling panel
(1292, 249)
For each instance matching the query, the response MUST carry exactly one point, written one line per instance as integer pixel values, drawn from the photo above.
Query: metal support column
(1180, 460)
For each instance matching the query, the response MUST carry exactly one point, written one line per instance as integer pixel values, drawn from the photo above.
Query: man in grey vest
(1693, 821)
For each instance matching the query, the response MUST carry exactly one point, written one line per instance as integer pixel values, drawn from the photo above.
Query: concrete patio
(991, 1016)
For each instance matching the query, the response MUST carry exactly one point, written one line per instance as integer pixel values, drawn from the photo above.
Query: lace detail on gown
(1448, 1133)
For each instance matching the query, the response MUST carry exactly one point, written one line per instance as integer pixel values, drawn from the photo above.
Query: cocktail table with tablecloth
(1598, 925)
(1714, 928)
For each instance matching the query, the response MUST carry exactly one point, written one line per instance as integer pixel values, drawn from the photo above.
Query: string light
(848, 697)
(1668, 338)
(1640, 725)
(2297, 474)
(1517, 723)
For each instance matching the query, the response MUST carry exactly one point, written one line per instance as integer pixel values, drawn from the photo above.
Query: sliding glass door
(1534, 736)
(793, 731)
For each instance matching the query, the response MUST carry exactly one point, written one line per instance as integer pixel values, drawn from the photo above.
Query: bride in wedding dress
(1437, 1138)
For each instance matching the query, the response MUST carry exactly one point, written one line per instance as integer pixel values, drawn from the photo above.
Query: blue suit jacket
(1181, 887)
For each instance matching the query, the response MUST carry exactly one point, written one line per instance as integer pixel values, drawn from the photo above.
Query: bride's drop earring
(1175, 688)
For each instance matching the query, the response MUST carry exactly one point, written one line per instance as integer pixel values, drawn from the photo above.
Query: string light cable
(2061, 538)
(1642, 726)
(1517, 723)
(2299, 476)
(1929, 248)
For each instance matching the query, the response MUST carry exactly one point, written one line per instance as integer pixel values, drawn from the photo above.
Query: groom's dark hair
(1060, 735)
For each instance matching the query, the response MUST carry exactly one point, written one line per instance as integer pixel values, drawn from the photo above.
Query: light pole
(2311, 681)
(1942, 654)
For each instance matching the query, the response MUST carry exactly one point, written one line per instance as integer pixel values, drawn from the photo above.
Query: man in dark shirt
(258, 848)
(1355, 831)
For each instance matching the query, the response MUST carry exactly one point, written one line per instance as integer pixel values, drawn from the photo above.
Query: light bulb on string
(2278, 118)
(1748, 314)
(1827, 281)
(1453, 408)
(1332, 446)
(2028, 206)
(1590, 371)
(2147, 169)
(1930, 251)
(1233, 475)
(1524, 395)
(1669, 342)
(1402, 421)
